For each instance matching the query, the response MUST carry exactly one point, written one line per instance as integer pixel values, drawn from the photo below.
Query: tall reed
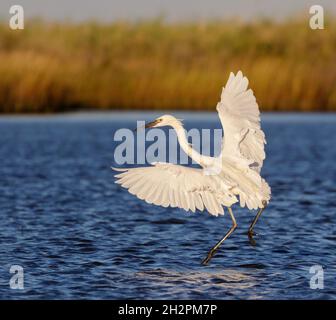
(53, 67)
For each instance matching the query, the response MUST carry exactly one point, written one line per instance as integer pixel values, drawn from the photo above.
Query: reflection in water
(228, 279)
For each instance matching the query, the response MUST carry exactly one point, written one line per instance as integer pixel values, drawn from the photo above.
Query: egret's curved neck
(183, 141)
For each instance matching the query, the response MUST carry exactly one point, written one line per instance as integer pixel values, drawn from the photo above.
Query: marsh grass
(52, 67)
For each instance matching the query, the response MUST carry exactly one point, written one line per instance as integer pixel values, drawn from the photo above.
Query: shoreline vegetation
(155, 65)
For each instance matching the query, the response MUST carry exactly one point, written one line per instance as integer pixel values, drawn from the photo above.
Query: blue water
(78, 235)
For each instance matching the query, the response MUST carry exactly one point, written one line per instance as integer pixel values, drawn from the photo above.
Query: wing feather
(240, 117)
(176, 186)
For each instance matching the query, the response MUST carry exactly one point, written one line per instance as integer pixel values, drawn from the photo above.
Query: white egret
(220, 180)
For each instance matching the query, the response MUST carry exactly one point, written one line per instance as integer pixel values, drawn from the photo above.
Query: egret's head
(165, 120)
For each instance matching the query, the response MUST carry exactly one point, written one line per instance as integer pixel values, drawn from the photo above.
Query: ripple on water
(79, 235)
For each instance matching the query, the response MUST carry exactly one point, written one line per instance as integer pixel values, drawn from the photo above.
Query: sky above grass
(110, 10)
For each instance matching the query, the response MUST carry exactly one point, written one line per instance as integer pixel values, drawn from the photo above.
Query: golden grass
(50, 67)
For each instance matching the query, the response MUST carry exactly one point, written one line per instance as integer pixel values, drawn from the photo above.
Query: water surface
(79, 235)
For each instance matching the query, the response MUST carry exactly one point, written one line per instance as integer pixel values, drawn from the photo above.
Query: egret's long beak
(149, 125)
(152, 124)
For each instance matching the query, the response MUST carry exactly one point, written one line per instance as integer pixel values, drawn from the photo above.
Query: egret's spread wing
(240, 117)
(177, 186)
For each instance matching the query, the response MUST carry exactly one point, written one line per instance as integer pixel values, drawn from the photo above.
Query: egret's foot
(218, 244)
(208, 258)
(250, 234)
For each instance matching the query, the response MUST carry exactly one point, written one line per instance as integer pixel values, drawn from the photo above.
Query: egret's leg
(214, 249)
(250, 231)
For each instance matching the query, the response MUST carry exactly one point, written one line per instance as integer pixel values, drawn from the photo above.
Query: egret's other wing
(240, 117)
(172, 185)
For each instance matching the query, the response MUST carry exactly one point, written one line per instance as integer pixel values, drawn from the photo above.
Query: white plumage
(221, 180)
(172, 185)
